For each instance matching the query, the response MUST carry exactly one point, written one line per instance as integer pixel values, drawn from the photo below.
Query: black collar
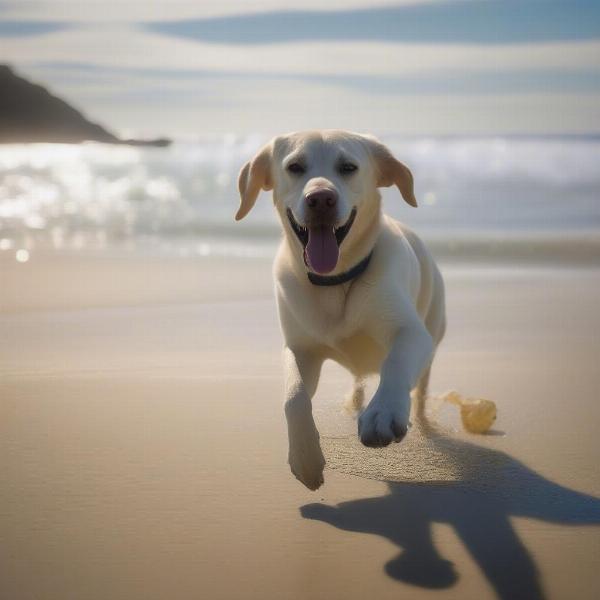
(355, 271)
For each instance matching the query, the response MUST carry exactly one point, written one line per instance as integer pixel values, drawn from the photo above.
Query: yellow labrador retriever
(352, 284)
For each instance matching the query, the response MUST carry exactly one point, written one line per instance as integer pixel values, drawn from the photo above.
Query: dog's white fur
(389, 320)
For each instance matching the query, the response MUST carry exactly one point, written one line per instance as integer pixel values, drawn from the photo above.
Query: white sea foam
(95, 195)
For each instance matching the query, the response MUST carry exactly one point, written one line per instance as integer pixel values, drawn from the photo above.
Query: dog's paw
(307, 463)
(381, 424)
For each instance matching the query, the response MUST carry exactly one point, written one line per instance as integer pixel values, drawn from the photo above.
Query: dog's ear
(254, 176)
(391, 171)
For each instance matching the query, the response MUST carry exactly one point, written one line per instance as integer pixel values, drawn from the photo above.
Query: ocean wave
(93, 194)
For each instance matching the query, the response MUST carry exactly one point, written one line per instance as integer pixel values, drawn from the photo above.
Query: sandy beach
(143, 444)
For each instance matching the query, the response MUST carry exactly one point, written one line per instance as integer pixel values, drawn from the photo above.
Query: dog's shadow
(491, 488)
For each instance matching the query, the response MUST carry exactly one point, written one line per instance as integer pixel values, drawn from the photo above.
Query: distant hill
(30, 113)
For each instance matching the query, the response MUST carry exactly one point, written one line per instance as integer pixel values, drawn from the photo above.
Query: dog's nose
(321, 200)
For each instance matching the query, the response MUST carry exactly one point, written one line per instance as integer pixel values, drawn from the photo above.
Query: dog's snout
(321, 200)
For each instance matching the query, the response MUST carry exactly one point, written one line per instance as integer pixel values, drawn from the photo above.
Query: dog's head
(324, 187)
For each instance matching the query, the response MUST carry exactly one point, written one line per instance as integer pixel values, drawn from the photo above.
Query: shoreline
(87, 278)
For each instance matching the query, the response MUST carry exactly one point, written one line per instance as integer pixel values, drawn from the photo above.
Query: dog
(352, 284)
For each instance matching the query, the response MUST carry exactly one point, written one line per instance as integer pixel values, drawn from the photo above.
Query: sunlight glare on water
(93, 195)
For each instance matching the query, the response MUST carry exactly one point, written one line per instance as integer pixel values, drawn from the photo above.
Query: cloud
(126, 46)
(459, 21)
(134, 11)
(163, 81)
(29, 28)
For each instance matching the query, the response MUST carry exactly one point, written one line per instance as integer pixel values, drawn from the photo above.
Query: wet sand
(143, 448)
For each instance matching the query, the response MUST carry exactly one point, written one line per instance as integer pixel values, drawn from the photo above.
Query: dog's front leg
(305, 455)
(387, 416)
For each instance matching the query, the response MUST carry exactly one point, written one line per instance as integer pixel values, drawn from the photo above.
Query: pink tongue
(322, 251)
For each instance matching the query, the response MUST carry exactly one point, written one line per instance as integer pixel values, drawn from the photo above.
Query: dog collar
(344, 277)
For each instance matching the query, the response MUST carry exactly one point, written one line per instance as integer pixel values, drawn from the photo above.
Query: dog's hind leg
(435, 321)
(356, 398)
(420, 394)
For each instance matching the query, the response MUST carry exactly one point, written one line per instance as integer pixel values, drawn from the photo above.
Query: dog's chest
(341, 320)
(337, 314)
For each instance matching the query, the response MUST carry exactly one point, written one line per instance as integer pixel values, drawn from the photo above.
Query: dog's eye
(346, 168)
(296, 168)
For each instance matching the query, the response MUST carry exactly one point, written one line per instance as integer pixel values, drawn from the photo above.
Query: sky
(415, 67)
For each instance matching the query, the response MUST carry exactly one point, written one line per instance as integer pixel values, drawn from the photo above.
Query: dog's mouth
(321, 242)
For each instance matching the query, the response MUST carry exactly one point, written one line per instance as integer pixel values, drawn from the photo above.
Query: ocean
(479, 196)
